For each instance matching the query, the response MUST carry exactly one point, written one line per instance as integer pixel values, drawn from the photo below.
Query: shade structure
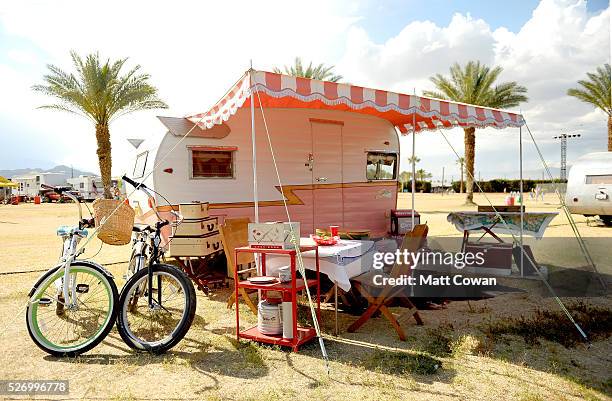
(4, 183)
(408, 113)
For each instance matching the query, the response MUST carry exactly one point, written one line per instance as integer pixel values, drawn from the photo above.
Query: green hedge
(421, 186)
(498, 185)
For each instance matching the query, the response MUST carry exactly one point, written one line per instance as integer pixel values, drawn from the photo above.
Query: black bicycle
(158, 302)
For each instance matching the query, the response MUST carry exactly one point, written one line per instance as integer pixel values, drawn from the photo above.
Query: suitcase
(196, 246)
(197, 227)
(194, 210)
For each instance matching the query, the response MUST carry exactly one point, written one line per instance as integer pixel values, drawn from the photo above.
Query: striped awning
(406, 112)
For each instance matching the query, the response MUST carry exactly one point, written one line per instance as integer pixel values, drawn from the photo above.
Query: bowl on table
(325, 240)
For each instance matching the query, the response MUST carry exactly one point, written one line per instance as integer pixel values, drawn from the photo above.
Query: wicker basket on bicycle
(117, 227)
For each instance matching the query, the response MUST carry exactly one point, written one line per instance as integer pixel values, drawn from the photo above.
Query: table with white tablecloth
(340, 262)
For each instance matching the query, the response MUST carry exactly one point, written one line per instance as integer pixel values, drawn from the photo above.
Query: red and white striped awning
(406, 112)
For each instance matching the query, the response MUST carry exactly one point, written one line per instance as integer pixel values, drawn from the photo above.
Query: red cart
(301, 335)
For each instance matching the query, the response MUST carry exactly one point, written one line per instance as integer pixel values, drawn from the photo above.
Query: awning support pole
(521, 198)
(413, 158)
(254, 146)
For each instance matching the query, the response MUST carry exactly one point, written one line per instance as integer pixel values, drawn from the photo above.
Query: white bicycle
(72, 306)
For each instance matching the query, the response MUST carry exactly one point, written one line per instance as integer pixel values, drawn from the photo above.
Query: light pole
(563, 139)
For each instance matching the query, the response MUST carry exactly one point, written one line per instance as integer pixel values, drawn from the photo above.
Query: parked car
(49, 195)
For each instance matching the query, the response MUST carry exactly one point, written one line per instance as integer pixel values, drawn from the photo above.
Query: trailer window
(381, 166)
(216, 163)
(140, 165)
(599, 179)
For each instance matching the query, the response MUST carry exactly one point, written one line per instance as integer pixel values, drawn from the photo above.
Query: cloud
(556, 47)
(195, 50)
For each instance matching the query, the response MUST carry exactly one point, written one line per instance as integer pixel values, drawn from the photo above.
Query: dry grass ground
(449, 358)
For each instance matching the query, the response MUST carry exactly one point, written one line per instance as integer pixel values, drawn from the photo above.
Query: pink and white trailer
(336, 148)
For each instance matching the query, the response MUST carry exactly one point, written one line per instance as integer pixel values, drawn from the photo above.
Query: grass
(447, 358)
(553, 325)
(401, 363)
(439, 340)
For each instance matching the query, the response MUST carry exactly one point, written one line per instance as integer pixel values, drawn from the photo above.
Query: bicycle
(72, 307)
(158, 302)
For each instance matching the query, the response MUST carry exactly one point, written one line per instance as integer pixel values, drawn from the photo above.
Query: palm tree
(405, 177)
(321, 72)
(99, 92)
(461, 163)
(474, 83)
(596, 91)
(414, 159)
(422, 174)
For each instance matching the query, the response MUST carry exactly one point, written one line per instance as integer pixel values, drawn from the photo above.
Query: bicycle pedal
(82, 288)
(44, 302)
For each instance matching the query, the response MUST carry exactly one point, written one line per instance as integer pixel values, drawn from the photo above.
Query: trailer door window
(140, 165)
(212, 163)
(599, 179)
(381, 166)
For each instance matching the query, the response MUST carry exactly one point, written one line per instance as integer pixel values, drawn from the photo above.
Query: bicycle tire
(180, 330)
(36, 294)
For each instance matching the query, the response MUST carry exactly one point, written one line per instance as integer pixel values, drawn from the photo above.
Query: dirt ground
(372, 364)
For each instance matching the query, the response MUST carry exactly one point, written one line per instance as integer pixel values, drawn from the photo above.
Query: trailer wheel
(607, 220)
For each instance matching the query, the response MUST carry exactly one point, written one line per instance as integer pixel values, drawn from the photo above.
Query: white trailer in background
(589, 186)
(30, 184)
(89, 187)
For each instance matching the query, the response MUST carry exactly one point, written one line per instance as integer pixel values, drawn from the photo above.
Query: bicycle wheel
(71, 329)
(160, 326)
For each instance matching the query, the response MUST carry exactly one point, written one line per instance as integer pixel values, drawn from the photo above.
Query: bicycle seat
(138, 228)
(65, 231)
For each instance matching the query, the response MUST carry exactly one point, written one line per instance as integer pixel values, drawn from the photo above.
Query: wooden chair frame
(412, 242)
(229, 248)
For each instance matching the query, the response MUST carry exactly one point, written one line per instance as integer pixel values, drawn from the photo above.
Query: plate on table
(262, 279)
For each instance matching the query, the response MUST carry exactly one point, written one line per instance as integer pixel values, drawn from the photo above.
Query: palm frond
(320, 72)
(596, 90)
(474, 83)
(98, 89)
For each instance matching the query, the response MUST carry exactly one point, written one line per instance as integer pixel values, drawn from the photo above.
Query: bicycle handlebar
(137, 185)
(141, 186)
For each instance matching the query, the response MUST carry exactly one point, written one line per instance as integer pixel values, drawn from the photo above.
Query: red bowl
(325, 241)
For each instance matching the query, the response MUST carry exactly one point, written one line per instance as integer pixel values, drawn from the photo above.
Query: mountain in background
(57, 169)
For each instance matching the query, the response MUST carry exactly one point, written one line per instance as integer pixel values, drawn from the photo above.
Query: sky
(196, 50)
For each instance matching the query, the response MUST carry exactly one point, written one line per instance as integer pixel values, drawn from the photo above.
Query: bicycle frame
(156, 251)
(69, 254)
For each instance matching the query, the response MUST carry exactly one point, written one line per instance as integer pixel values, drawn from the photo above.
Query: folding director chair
(412, 242)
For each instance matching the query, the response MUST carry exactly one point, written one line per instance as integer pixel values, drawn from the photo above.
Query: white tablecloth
(340, 262)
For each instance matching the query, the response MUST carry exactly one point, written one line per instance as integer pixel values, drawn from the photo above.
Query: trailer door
(327, 173)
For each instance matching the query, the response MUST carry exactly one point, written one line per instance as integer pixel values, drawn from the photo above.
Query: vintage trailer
(589, 186)
(30, 184)
(89, 187)
(336, 147)
(336, 167)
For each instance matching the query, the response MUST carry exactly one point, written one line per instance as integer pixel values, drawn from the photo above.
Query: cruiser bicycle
(72, 306)
(158, 302)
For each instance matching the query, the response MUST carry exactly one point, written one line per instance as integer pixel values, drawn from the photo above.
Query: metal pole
(254, 146)
(522, 203)
(413, 157)
(442, 180)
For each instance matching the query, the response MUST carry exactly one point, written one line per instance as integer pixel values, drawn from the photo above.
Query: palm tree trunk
(104, 157)
(470, 148)
(609, 133)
